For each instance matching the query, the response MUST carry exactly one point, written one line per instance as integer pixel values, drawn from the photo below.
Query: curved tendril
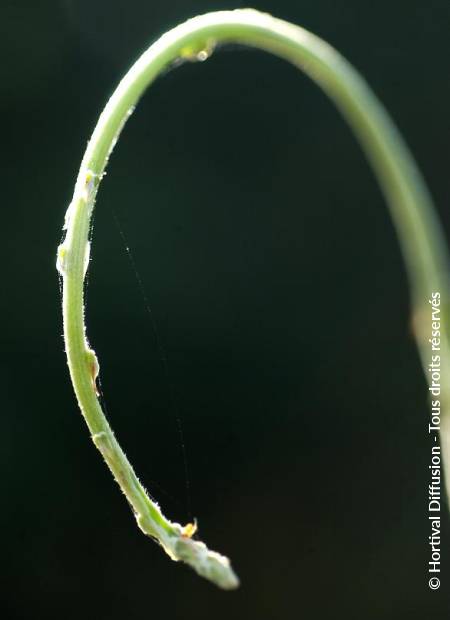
(412, 213)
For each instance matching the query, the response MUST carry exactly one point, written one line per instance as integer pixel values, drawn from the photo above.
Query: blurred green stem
(413, 215)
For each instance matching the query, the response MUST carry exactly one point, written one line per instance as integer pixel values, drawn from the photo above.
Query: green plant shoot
(413, 215)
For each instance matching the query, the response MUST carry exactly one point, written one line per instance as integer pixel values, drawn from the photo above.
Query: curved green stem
(418, 231)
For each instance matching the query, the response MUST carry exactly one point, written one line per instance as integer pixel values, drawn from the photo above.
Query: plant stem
(412, 212)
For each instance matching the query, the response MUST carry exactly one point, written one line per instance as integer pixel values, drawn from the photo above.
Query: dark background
(279, 297)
